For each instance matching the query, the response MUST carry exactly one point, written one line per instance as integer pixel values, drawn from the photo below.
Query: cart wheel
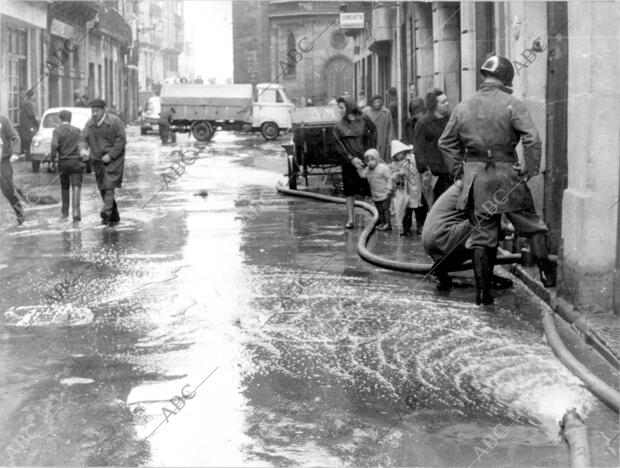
(35, 165)
(269, 130)
(293, 172)
(202, 131)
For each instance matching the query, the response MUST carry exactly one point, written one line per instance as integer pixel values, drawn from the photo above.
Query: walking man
(479, 143)
(381, 117)
(65, 140)
(426, 136)
(28, 122)
(9, 145)
(104, 133)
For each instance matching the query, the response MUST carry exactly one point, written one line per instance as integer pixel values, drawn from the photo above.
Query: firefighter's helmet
(500, 68)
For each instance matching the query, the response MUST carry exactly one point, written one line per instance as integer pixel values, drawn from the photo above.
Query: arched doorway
(338, 76)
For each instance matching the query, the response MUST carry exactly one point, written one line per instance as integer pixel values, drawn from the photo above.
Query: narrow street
(221, 324)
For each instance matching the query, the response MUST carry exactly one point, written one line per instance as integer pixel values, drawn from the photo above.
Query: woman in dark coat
(355, 133)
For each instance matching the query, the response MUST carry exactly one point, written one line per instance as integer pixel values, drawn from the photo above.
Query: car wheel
(35, 165)
(202, 131)
(270, 131)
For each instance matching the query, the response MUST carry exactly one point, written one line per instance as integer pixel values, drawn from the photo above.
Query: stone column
(589, 211)
(446, 36)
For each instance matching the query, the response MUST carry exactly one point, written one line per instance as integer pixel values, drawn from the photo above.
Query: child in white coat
(408, 186)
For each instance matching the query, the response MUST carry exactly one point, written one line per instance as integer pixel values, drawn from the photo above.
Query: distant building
(295, 43)
(161, 41)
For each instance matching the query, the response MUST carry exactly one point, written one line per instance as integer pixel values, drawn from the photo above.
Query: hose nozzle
(574, 432)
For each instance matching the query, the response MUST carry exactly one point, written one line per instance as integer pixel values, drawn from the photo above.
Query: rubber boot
(548, 269)
(497, 282)
(64, 209)
(420, 217)
(407, 221)
(77, 216)
(482, 275)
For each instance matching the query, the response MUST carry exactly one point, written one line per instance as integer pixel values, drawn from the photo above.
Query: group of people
(463, 176)
(102, 140)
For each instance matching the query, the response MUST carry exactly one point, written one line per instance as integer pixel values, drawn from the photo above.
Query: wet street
(222, 324)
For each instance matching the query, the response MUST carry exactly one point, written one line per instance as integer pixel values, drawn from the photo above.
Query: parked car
(41, 147)
(150, 115)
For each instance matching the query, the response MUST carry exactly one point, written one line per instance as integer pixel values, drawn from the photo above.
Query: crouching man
(104, 133)
(444, 237)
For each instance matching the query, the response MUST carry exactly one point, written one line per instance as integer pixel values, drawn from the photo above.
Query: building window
(17, 42)
(291, 54)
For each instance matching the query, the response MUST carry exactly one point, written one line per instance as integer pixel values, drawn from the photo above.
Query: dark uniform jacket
(65, 140)
(108, 138)
(10, 138)
(355, 137)
(426, 135)
(28, 122)
(492, 119)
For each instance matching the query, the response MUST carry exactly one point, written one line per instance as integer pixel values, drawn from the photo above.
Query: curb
(566, 311)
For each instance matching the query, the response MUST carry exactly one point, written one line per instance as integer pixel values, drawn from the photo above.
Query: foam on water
(388, 346)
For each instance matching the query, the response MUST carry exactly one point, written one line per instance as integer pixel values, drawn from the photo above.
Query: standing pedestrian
(392, 105)
(65, 139)
(426, 138)
(28, 121)
(382, 119)
(105, 135)
(10, 146)
(354, 134)
(408, 193)
(379, 177)
(417, 110)
(479, 142)
(163, 126)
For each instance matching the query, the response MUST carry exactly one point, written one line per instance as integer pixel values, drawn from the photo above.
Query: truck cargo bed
(208, 102)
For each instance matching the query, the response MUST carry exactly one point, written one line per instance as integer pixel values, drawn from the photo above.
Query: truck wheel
(269, 130)
(144, 131)
(293, 171)
(202, 131)
(35, 165)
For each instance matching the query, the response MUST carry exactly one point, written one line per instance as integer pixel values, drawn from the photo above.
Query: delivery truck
(201, 109)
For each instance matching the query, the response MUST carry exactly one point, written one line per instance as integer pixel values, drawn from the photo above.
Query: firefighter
(479, 143)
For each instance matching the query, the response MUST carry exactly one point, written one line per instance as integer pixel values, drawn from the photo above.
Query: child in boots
(379, 178)
(408, 187)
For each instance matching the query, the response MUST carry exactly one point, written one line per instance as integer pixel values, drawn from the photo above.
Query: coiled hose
(608, 395)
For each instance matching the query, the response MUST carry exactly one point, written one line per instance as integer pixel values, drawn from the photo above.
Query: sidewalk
(601, 331)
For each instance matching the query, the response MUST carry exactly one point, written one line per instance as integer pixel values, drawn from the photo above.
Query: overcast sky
(211, 22)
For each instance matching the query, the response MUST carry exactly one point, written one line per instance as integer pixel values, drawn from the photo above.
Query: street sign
(351, 20)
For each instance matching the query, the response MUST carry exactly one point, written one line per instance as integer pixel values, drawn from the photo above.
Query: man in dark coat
(28, 122)
(479, 144)
(426, 136)
(417, 110)
(10, 145)
(104, 133)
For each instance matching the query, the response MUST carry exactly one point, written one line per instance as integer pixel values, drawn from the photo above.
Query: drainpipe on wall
(398, 74)
(617, 272)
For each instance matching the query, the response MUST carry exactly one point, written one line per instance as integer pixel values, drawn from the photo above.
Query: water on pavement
(221, 324)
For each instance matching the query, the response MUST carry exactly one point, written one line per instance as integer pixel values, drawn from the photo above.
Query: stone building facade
(297, 44)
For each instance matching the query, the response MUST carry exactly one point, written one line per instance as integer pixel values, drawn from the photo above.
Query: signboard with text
(351, 20)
